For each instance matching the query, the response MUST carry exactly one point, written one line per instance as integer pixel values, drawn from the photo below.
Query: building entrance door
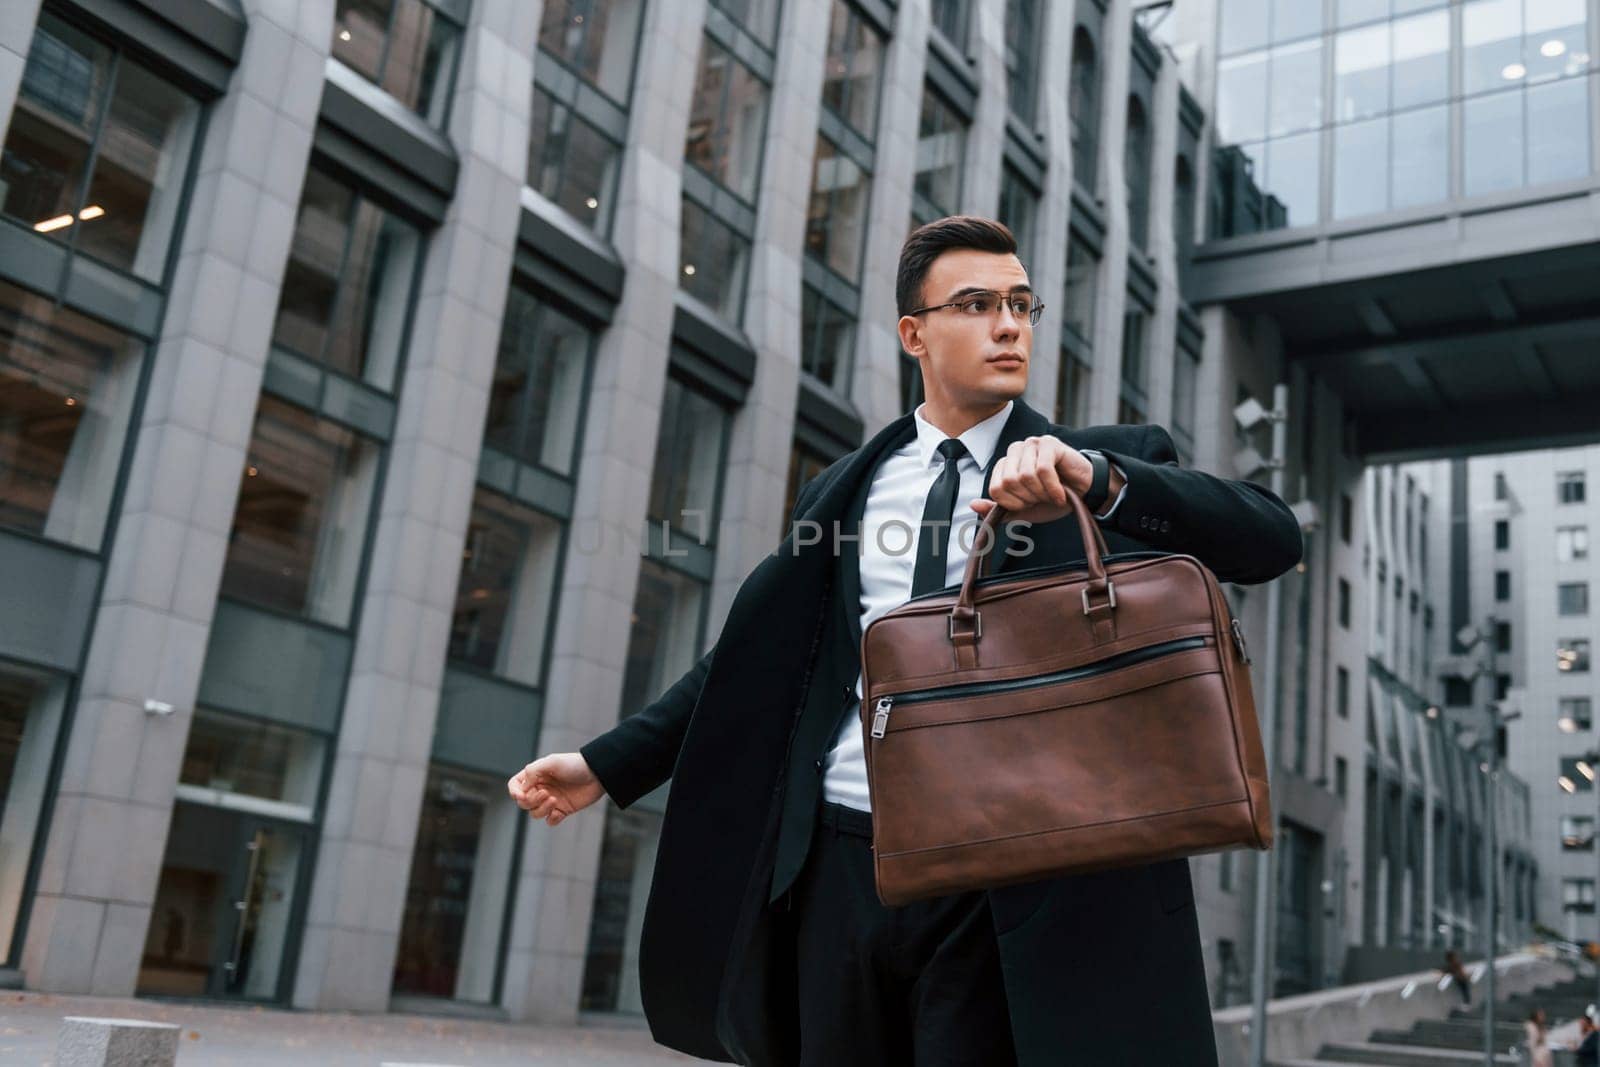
(225, 904)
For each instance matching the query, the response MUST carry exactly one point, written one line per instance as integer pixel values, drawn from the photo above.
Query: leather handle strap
(965, 626)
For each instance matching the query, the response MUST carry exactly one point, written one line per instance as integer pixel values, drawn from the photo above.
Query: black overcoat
(1099, 969)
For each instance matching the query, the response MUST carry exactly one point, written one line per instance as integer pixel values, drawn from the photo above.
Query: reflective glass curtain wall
(1512, 76)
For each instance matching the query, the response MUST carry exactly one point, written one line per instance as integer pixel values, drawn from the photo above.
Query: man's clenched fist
(554, 786)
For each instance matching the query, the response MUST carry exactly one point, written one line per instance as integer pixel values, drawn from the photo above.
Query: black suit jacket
(1105, 967)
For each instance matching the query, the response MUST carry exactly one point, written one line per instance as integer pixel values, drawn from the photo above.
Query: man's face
(971, 360)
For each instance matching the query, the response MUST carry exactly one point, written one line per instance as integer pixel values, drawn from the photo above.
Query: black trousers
(912, 986)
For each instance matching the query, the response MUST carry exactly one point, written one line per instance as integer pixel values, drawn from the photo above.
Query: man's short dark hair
(931, 240)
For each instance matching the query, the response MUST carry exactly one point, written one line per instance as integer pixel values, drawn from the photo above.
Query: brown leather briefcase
(1058, 721)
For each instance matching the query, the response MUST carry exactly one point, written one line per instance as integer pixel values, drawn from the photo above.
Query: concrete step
(1387, 1055)
(1437, 1033)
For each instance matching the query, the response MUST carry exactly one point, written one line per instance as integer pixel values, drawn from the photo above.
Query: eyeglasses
(986, 303)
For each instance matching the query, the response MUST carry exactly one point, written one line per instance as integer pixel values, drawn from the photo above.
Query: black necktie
(933, 541)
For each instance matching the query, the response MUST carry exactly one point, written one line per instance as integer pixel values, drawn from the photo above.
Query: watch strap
(1100, 482)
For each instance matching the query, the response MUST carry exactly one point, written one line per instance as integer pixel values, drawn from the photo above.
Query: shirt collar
(979, 439)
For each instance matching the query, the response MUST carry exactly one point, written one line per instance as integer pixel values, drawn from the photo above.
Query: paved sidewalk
(261, 1037)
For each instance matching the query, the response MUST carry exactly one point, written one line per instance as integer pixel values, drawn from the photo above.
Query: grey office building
(392, 391)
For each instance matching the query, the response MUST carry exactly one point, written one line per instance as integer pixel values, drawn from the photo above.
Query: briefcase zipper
(880, 711)
(1238, 639)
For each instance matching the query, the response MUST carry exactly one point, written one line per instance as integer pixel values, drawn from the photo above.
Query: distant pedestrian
(1588, 1046)
(1452, 967)
(1535, 1040)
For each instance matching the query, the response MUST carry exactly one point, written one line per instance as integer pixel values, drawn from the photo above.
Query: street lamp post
(1248, 415)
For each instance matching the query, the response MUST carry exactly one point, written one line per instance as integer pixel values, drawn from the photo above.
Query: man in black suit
(763, 941)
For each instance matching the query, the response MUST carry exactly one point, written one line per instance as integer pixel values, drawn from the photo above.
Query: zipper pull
(1238, 639)
(880, 716)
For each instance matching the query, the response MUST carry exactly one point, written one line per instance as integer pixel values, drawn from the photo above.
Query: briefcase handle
(966, 625)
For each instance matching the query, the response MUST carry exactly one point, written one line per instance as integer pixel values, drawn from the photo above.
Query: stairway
(1458, 1040)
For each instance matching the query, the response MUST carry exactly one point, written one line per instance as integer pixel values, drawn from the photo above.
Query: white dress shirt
(888, 550)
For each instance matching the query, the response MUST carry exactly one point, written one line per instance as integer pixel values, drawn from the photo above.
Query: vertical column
(875, 386)
(1047, 272)
(386, 731)
(1162, 347)
(17, 19)
(1111, 298)
(107, 836)
(980, 171)
(554, 893)
(759, 448)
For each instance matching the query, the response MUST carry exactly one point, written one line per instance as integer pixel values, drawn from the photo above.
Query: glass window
(950, 17)
(235, 755)
(853, 69)
(1492, 154)
(836, 214)
(347, 286)
(507, 587)
(1293, 175)
(1572, 543)
(31, 706)
(1502, 534)
(1360, 168)
(1185, 375)
(1296, 99)
(1072, 389)
(1242, 98)
(1577, 833)
(1502, 585)
(1570, 487)
(66, 397)
(1558, 130)
(1419, 170)
(1572, 655)
(301, 520)
(713, 260)
(1421, 59)
(1019, 205)
(461, 865)
(1023, 30)
(804, 465)
(536, 398)
(1134, 341)
(1295, 18)
(1572, 598)
(1555, 35)
(1083, 271)
(726, 120)
(941, 145)
(760, 17)
(1083, 106)
(827, 339)
(1491, 43)
(1136, 171)
(688, 463)
(83, 104)
(595, 38)
(1361, 72)
(1577, 895)
(1244, 25)
(1574, 714)
(406, 46)
(572, 163)
(1183, 206)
